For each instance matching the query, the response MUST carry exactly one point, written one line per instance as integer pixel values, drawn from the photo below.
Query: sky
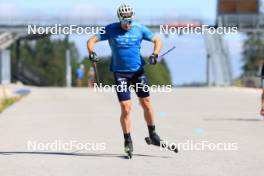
(187, 62)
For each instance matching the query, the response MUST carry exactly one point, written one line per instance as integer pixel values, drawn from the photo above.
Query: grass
(5, 103)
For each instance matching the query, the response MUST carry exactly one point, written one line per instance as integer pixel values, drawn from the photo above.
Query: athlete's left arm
(149, 36)
(157, 44)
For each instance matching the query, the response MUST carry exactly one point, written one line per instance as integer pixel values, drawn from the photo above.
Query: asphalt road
(188, 116)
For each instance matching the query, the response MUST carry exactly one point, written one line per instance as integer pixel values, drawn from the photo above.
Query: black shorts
(126, 81)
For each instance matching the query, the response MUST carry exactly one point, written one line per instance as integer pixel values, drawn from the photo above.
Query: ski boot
(129, 149)
(154, 139)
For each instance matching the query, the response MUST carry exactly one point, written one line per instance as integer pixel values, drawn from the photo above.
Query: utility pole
(208, 70)
(68, 76)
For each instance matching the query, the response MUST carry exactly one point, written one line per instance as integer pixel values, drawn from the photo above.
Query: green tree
(253, 53)
(46, 57)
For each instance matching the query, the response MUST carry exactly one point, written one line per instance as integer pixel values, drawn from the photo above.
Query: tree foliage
(253, 53)
(46, 57)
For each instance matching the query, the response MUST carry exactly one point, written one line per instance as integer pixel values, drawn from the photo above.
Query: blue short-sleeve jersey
(125, 46)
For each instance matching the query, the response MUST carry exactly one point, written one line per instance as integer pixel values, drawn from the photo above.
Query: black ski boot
(129, 149)
(154, 139)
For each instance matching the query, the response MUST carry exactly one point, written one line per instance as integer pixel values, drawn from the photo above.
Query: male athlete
(125, 39)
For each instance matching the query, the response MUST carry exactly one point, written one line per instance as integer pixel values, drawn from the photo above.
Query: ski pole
(96, 73)
(171, 49)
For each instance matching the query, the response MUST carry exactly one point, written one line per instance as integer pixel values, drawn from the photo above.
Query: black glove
(93, 57)
(153, 59)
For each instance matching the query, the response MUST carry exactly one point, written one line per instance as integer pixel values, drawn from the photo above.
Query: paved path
(217, 115)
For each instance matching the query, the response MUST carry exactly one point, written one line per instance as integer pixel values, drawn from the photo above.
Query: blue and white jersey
(125, 46)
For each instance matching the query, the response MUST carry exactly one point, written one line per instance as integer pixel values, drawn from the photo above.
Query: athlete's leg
(140, 82)
(149, 118)
(122, 82)
(148, 110)
(125, 119)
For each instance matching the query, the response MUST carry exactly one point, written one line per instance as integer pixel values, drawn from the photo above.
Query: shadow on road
(77, 154)
(232, 119)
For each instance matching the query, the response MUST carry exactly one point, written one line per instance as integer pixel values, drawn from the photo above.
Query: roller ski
(129, 149)
(155, 140)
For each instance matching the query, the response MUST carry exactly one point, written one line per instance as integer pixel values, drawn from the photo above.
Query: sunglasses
(124, 22)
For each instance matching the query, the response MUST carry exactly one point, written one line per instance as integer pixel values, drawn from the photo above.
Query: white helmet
(125, 12)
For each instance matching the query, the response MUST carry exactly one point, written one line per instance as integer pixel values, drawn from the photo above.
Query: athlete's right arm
(91, 42)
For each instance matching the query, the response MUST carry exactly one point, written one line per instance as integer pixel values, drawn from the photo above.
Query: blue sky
(187, 62)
